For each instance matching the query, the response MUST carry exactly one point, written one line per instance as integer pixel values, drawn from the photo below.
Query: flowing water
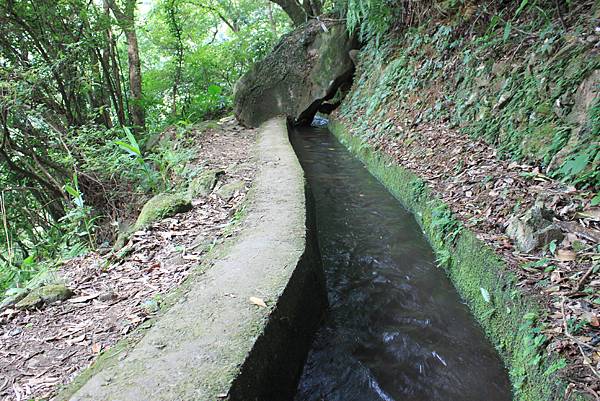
(396, 329)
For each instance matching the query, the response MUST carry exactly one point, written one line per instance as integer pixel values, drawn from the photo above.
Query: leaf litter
(484, 192)
(44, 349)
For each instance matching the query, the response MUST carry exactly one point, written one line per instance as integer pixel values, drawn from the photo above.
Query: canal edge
(507, 314)
(258, 354)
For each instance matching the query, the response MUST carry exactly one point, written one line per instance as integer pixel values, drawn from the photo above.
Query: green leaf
(507, 29)
(521, 7)
(28, 261)
(530, 316)
(485, 294)
(129, 149)
(214, 90)
(576, 164)
(596, 200)
(552, 247)
(72, 191)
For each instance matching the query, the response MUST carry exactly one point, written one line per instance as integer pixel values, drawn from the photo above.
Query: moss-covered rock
(161, 206)
(204, 183)
(229, 190)
(17, 295)
(48, 294)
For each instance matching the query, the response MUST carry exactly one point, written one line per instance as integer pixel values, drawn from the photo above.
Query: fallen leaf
(258, 301)
(96, 348)
(485, 294)
(83, 298)
(76, 340)
(555, 276)
(566, 255)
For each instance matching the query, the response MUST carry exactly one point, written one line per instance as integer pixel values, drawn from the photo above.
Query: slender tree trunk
(175, 28)
(135, 80)
(111, 70)
(294, 10)
(126, 20)
(271, 19)
(100, 100)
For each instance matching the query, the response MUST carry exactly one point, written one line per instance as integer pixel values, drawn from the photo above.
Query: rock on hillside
(305, 69)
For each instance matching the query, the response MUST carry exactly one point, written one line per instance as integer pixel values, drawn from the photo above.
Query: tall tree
(300, 11)
(176, 31)
(125, 16)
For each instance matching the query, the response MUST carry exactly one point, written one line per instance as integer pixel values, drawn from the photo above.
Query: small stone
(15, 332)
(204, 183)
(51, 294)
(150, 306)
(107, 296)
(533, 230)
(16, 295)
(228, 191)
(162, 206)
(31, 301)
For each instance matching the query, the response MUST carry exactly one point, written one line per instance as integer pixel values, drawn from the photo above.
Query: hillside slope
(496, 107)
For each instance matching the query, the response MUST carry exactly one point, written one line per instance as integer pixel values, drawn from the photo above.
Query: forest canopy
(85, 89)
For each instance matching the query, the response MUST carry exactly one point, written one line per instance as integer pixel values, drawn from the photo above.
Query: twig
(585, 277)
(579, 343)
(560, 17)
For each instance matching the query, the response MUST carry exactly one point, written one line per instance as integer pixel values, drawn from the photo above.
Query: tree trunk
(126, 20)
(294, 10)
(111, 70)
(300, 11)
(135, 80)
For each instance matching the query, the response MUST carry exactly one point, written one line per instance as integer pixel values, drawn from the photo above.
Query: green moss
(227, 191)
(204, 183)
(47, 294)
(539, 141)
(514, 95)
(161, 206)
(113, 355)
(508, 316)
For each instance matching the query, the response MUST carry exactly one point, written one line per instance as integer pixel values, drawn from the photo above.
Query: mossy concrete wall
(508, 316)
(214, 343)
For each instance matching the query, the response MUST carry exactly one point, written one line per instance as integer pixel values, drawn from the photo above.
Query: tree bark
(110, 66)
(294, 10)
(300, 12)
(126, 20)
(135, 80)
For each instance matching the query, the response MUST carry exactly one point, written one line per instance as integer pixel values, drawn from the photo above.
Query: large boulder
(305, 69)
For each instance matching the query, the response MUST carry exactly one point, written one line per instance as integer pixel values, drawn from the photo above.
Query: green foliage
(510, 81)
(222, 39)
(372, 18)
(69, 166)
(447, 228)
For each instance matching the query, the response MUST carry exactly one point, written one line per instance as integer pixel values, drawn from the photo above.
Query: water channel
(396, 328)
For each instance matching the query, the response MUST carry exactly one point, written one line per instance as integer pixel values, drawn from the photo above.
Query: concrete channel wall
(214, 343)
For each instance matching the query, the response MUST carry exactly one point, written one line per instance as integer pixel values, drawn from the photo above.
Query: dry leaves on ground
(42, 350)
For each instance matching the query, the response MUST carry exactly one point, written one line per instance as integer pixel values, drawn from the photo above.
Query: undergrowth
(127, 169)
(507, 75)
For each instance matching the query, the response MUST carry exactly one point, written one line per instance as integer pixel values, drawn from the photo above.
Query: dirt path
(42, 350)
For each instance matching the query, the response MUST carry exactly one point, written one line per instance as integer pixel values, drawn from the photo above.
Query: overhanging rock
(305, 69)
